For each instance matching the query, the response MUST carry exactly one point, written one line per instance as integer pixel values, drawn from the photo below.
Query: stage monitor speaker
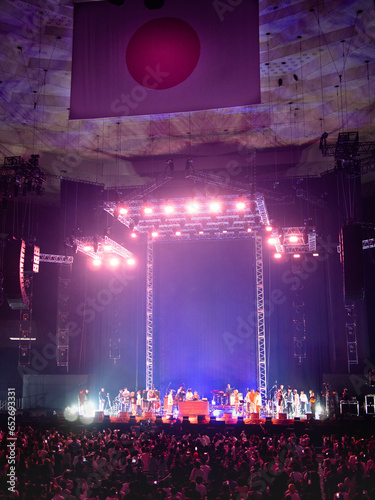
(352, 260)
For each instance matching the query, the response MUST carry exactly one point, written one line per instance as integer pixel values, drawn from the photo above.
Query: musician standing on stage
(248, 401)
(303, 401)
(236, 400)
(126, 398)
(228, 392)
(181, 394)
(170, 402)
(151, 396)
(139, 402)
(252, 401)
(312, 401)
(296, 402)
(102, 399)
(258, 401)
(280, 399)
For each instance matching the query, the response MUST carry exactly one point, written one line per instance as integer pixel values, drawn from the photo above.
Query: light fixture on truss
(100, 248)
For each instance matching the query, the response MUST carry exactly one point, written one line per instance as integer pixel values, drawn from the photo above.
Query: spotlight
(277, 256)
(123, 211)
(215, 206)
(241, 206)
(293, 238)
(154, 234)
(192, 207)
(87, 248)
(178, 233)
(268, 229)
(96, 262)
(133, 234)
(131, 262)
(296, 256)
(148, 210)
(114, 262)
(168, 209)
(272, 241)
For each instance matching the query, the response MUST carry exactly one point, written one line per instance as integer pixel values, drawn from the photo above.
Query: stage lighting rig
(227, 216)
(99, 248)
(20, 177)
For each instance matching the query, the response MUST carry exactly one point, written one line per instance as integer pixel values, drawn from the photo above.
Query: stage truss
(229, 216)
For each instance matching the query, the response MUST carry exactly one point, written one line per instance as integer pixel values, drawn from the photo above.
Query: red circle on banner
(163, 53)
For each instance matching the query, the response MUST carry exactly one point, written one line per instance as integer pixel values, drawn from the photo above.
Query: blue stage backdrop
(204, 310)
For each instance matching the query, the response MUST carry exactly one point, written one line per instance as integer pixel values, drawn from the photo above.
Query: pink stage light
(241, 206)
(148, 210)
(249, 229)
(114, 262)
(134, 235)
(293, 238)
(296, 256)
(315, 254)
(192, 207)
(277, 256)
(272, 241)
(87, 248)
(268, 229)
(154, 234)
(178, 233)
(107, 248)
(168, 209)
(123, 211)
(97, 262)
(131, 262)
(215, 206)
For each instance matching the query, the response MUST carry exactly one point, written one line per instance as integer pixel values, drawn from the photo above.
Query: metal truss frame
(150, 314)
(261, 338)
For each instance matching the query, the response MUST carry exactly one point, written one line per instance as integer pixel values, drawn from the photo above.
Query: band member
(303, 402)
(236, 400)
(181, 394)
(296, 403)
(280, 399)
(228, 392)
(126, 399)
(252, 401)
(312, 401)
(170, 402)
(133, 401)
(81, 402)
(289, 403)
(195, 396)
(258, 401)
(247, 401)
(102, 399)
(139, 402)
(189, 395)
(151, 398)
(345, 395)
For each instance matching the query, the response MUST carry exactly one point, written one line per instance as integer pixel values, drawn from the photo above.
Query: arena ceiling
(317, 75)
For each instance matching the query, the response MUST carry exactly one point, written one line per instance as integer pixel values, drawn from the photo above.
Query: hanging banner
(191, 55)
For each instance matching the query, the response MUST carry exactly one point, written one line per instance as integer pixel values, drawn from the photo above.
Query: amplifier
(349, 408)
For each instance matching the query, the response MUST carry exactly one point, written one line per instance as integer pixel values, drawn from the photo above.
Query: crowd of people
(149, 462)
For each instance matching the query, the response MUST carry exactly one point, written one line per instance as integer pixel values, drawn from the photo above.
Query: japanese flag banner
(188, 55)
